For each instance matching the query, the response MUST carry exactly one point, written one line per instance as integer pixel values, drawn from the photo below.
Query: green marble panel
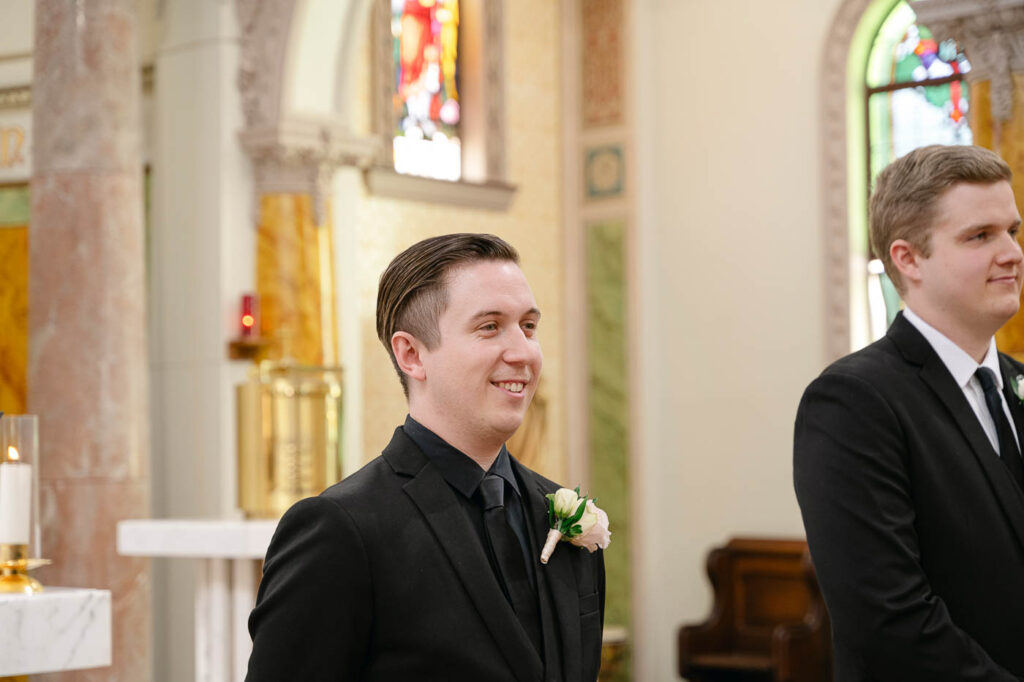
(608, 406)
(14, 205)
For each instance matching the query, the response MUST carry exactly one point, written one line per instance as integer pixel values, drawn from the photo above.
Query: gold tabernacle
(289, 436)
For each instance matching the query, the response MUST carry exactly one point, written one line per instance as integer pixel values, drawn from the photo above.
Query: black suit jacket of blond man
(916, 526)
(913, 515)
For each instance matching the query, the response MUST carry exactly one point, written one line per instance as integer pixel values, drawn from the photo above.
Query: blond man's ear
(906, 257)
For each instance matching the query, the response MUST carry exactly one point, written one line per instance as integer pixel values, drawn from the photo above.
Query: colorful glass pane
(902, 120)
(906, 115)
(427, 109)
(906, 52)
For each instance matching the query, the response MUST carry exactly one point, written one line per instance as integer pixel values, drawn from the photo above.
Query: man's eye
(489, 327)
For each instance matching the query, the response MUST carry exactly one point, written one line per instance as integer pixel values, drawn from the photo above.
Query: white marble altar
(226, 581)
(57, 629)
(201, 538)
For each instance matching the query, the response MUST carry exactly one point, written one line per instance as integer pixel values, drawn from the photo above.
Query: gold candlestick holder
(14, 568)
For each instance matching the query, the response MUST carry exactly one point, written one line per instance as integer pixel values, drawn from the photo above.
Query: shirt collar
(961, 365)
(456, 467)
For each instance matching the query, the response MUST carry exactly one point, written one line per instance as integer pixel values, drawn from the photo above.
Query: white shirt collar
(961, 365)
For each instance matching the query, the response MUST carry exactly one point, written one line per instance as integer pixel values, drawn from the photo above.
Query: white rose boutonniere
(574, 519)
(1017, 384)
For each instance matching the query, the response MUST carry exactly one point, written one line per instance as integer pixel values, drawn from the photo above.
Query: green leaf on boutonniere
(551, 510)
(569, 526)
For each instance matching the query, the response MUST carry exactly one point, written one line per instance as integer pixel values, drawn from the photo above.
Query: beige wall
(729, 325)
(730, 321)
(533, 224)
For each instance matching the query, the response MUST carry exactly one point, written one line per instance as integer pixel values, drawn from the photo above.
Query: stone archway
(835, 172)
(295, 146)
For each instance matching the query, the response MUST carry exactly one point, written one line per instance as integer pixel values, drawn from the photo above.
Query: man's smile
(511, 386)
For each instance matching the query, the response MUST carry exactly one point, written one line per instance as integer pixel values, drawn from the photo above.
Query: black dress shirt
(464, 475)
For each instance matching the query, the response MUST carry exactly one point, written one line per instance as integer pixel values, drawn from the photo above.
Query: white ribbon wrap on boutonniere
(1017, 386)
(574, 519)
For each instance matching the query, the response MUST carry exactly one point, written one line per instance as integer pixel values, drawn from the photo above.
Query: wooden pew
(768, 622)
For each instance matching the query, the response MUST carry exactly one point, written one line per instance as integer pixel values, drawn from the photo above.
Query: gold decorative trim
(18, 97)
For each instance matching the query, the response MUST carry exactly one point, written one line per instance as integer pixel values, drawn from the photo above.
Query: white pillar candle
(15, 499)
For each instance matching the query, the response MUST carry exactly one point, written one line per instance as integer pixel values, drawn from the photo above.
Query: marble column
(87, 368)
(991, 32)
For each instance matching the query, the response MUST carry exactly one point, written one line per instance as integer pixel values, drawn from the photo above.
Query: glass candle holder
(20, 548)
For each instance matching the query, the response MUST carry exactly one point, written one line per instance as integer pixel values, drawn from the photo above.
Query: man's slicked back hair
(413, 290)
(907, 194)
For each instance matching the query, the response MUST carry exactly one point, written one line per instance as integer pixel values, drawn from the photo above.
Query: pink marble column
(88, 368)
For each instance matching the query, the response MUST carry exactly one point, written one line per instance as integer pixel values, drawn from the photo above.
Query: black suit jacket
(382, 577)
(915, 525)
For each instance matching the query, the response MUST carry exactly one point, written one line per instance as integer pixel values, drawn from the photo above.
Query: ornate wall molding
(992, 34)
(18, 97)
(301, 156)
(265, 29)
(494, 97)
(290, 152)
(382, 78)
(835, 218)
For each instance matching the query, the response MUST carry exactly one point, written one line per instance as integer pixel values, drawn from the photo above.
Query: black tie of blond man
(1008, 449)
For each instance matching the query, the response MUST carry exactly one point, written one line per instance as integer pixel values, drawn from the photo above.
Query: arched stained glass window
(427, 109)
(915, 96)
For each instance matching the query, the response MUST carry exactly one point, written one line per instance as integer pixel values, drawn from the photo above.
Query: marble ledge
(197, 538)
(57, 629)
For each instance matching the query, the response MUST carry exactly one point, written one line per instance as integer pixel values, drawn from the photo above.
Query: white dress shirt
(962, 366)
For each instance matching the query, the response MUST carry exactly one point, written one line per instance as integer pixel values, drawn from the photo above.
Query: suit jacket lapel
(1016, 410)
(558, 573)
(916, 349)
(443, 513)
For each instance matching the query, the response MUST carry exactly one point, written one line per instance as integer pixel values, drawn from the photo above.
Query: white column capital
(300, 157)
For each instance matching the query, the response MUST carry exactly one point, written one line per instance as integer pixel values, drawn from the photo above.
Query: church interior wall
(533, 223)
(730, 287)
(727, 304)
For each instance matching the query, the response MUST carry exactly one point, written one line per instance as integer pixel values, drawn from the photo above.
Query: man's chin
(1003, 314)
(507, 427)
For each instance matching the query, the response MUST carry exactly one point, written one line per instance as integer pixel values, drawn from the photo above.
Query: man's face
(480, 378)
(971, 281)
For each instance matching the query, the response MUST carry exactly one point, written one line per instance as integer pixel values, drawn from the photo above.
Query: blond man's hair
(907, 194)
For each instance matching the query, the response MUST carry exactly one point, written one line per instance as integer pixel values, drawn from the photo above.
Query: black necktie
(1008, 450)
(508, 557)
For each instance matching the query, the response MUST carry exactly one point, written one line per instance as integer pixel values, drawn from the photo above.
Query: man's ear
(408, 354)
(906, 258)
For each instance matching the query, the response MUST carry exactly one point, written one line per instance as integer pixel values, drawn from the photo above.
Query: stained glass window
(427, 110)
(915, 97)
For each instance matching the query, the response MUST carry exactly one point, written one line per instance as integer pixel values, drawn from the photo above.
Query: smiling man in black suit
(424, 565)
(907, 457)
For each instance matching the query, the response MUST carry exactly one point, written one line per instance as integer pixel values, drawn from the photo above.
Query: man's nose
(521, 348)
(1011, 252)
